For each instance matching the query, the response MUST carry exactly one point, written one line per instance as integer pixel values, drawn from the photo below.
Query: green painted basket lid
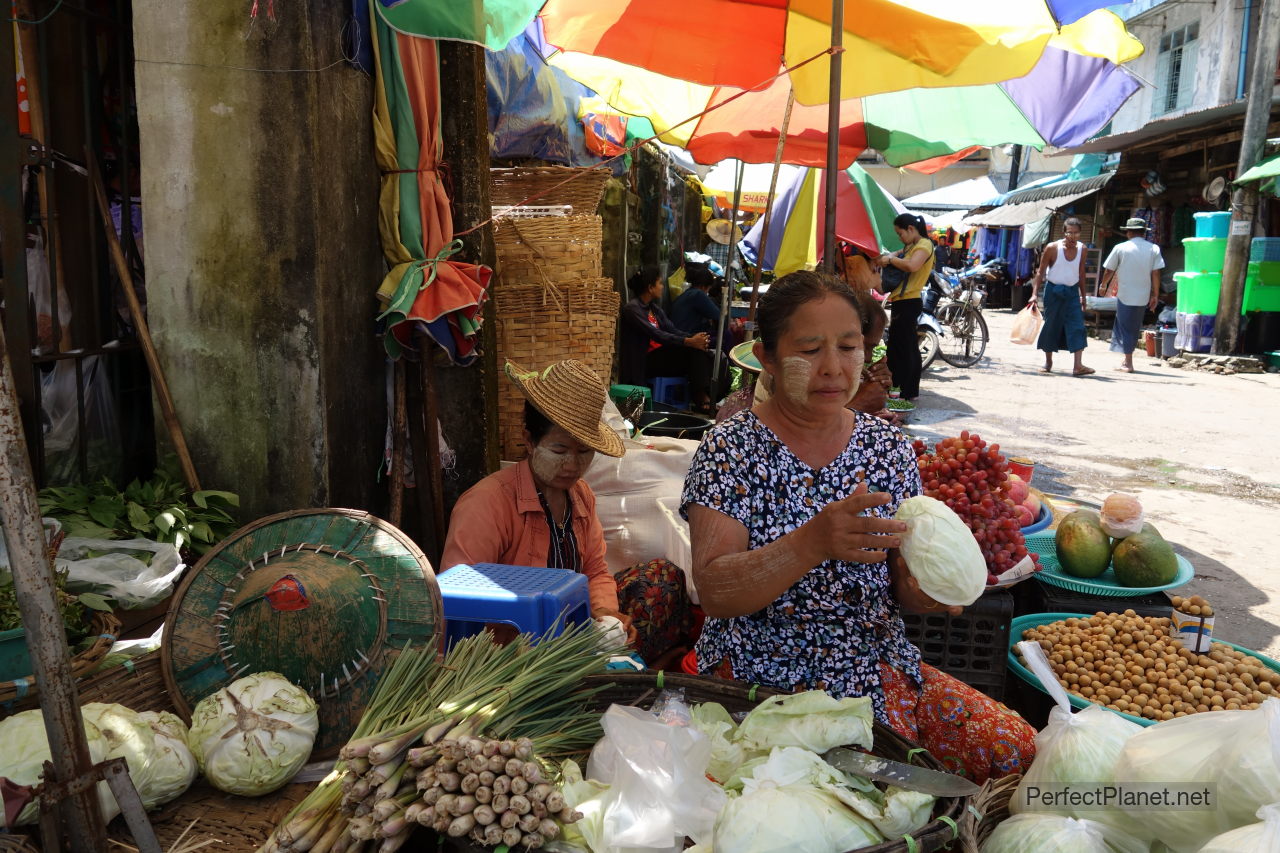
(742, 356)
(322, 596)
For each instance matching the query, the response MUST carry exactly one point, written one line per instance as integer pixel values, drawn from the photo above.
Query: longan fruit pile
(1133, 664)
(1193, 606)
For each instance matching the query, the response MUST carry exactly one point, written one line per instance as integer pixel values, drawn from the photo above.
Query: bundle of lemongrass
(422, 721)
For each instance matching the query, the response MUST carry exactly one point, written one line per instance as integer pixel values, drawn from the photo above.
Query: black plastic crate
(1040, 597)
(973, 646)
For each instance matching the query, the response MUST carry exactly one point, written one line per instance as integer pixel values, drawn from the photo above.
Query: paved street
(1199, 449)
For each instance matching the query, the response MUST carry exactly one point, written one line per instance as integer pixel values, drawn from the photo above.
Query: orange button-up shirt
(501, 520)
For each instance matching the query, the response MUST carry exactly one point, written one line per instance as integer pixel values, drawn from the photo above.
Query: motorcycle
(976, 281)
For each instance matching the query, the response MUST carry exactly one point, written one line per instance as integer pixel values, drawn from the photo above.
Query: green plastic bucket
(15, 658)
(1205, 254)
(1198, 292)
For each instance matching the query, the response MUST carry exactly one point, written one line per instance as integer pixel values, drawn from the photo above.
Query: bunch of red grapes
(970, 476)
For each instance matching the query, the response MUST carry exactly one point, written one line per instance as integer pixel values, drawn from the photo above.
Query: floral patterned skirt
(973, 734)
(654, 595)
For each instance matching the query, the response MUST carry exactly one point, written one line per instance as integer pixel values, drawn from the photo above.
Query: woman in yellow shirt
(906, 302)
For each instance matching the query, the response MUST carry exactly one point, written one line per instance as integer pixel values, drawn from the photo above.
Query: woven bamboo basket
(104, 627)
(989, 808)
(642, 688)
(547, 249)
(580, 188)
(539, 325)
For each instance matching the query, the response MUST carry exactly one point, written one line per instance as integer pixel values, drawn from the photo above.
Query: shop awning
(1268, 170)
(1016, 215)
(1163, 130)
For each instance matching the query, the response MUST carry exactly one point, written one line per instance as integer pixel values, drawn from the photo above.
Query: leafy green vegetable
(812, 720)
(160, 509)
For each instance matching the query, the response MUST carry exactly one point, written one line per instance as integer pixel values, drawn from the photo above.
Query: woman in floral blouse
(790, 509)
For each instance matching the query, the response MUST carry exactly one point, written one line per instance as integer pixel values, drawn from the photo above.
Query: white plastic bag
(1026, 326)
(1043, 833)
(107, 567)
(658, 789)
(1234, 754)
(1261, 837)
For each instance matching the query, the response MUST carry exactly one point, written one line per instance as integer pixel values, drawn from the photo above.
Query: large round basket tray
(321, 596)
(1105, 584)
(642, 688)
(1035, 620)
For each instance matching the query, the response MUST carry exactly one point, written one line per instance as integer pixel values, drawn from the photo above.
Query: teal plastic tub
(15, 658)
(1216, 224)
(1205, 254)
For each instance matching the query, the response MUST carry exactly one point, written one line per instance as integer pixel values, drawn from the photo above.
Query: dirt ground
(1198, 449)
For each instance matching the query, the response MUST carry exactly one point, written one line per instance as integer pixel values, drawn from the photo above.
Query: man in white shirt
(1134, 266)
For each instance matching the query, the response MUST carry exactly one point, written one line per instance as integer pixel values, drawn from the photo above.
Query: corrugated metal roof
(1013, 215)
(1052, 191)
(1164, 127)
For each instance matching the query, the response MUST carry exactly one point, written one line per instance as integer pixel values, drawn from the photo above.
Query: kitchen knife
(905, 776)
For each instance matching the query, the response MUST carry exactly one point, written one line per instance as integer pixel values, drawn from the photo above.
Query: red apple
(1033, 504)
(1025, 518)
(1018, 489)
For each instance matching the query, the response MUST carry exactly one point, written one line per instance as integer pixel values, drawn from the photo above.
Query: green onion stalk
(531, 688)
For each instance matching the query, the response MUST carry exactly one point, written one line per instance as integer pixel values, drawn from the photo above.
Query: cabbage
(1261, 837)
(940, 552)
(252, 736)
(1235, 754)
(588, 797)
(1054, 834)
(127, 737)
(894, 813)
(788, 818)
(812, 720)
(26, 749)
(173, 767)
(1074, 751)
(714, 721)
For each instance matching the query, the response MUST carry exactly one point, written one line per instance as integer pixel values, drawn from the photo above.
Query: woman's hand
(878, 371)
(841, 530)
(908, 592)
(624, 619)
(698, 341)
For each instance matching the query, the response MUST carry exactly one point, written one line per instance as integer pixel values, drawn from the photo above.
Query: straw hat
(571, 396)
(718, 230)
(744, 356)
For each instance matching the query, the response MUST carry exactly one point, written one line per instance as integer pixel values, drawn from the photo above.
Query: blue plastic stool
(535, 600)
(671, 391)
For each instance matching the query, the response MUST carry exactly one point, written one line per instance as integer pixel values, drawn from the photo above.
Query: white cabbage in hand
(252, 736)
(941, 552)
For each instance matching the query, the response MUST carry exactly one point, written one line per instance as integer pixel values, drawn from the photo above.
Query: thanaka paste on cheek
(859, 362)
(796, 373)
(545, 464)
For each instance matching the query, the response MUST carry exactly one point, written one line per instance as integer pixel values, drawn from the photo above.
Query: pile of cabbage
(758, 786)
(1233, 754)
(249, 738)
(153, 744)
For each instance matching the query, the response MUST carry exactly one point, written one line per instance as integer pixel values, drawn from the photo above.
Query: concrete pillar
(260, 210)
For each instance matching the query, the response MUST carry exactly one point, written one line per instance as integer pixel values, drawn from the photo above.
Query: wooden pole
(431, 414)
(1244, 200)
(46, 633)
(833, 136)
(167, 409)
(768, 213)
(399, 422)
(728, 275)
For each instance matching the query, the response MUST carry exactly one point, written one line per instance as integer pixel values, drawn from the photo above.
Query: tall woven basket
(551, 301)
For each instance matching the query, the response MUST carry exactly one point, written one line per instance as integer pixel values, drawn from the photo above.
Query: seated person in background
(654, 346)
(539, 512)
(694, 309)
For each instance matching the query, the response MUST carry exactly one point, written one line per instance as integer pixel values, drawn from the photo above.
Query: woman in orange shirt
(540, 512)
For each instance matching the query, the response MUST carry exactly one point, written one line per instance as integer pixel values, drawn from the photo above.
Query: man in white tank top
(1058, 288)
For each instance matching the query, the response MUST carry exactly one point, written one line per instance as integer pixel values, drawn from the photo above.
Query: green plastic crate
(1205, 254)
(1267, 272)
(619, 393)
(1259, 296)
(15, 658)
(1198, 292)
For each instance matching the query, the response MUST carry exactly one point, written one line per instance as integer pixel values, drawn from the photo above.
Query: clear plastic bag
(1072, 751)
(1261, 837)
(1055, 834)
(133, 581)
(61, 425)
(658, 789)
(1026, 326)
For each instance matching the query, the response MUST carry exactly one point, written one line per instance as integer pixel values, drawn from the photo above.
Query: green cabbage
(127, 737)
(252, 736)
(26, 749)
(940, 552)
(1264, 836)
(173, 767)
(1054, 834)
(727, 756)
(789, 818)
(812, 720)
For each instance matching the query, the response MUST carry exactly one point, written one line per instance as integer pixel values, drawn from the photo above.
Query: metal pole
(728, 274)
(1244, 201)
(833, 137)
(1015, 167)
(768, 213)
(46, 633)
